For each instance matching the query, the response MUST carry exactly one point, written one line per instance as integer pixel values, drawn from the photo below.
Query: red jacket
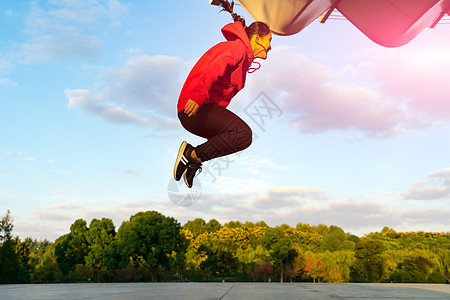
(220, 73)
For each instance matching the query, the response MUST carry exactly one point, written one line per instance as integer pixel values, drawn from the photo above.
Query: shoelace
(199, 170)
(198, 166)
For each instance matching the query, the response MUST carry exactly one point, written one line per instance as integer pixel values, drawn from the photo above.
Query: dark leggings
(225, 131)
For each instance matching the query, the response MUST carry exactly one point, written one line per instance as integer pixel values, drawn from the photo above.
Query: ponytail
(227, 6)
(259, 28)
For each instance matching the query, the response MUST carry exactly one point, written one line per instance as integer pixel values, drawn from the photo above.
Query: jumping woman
(214, 80)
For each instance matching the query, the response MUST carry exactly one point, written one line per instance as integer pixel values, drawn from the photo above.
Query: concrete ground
(226, 291)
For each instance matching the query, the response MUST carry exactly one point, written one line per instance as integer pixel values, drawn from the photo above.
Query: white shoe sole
(177, 162)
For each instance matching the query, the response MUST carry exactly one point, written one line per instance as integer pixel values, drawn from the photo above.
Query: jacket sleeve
(216, 61)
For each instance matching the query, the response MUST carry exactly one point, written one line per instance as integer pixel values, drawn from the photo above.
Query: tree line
(153, 247)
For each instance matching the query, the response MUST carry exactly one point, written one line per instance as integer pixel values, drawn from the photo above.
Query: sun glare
(436, 58)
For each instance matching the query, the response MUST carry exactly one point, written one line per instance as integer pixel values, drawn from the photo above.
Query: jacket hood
(235, 31)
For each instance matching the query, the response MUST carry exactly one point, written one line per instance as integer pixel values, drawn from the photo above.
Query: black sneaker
(183, 160)
(190, 173)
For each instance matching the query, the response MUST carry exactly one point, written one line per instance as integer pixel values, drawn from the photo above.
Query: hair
(257, 27)
(260, 28)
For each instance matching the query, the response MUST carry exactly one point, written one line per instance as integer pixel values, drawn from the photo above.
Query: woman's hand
(191, 108)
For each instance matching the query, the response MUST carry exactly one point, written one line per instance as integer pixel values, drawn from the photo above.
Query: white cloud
(313, 97)
(380, 92)
(40, 230)
(86, 12)
(274, 205)
(97, 105)
(64, 29)
(130, 172)
(257, 162)
(64, 206)
(445, 173)
(316, 98)
(5, 66)
(53, 46)
(134, 51)
(293, 204)
(289, 197)
(416, 73)
(144, 92)
(8, 82)
(440, 216)
(435, 187)
(146, 81)
(8, 13)
(55, 216)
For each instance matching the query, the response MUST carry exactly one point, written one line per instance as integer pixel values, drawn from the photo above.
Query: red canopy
(390, 23)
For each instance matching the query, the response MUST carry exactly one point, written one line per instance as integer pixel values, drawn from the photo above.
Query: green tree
(115, 256)
(64, 260)
(436, 277)
(369, 262)
(233, 224)
(196, 227)
(178, 262)
(72, 248)
(249, 224)
(43, 264)
(150, 238)
(23, 250)
(401, 276)
(9, 261)
(334, 239)
(219, 260)
(278, 245)
(338, 264)
(418, 267)
(261, 224)
(99, 236)
(295, 263)
(213, 225)
(254, 261)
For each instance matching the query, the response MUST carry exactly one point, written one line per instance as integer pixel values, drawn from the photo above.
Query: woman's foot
(183, 160)
(191, 172)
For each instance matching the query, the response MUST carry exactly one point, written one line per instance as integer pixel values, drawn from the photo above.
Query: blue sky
(358, 136)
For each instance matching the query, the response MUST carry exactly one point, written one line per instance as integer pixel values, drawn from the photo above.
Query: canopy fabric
(286, 17)
(390, 23)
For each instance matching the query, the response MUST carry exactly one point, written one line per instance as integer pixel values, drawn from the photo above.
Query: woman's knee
(246, 137)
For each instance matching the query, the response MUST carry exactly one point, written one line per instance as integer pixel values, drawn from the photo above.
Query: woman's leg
(225, 131)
